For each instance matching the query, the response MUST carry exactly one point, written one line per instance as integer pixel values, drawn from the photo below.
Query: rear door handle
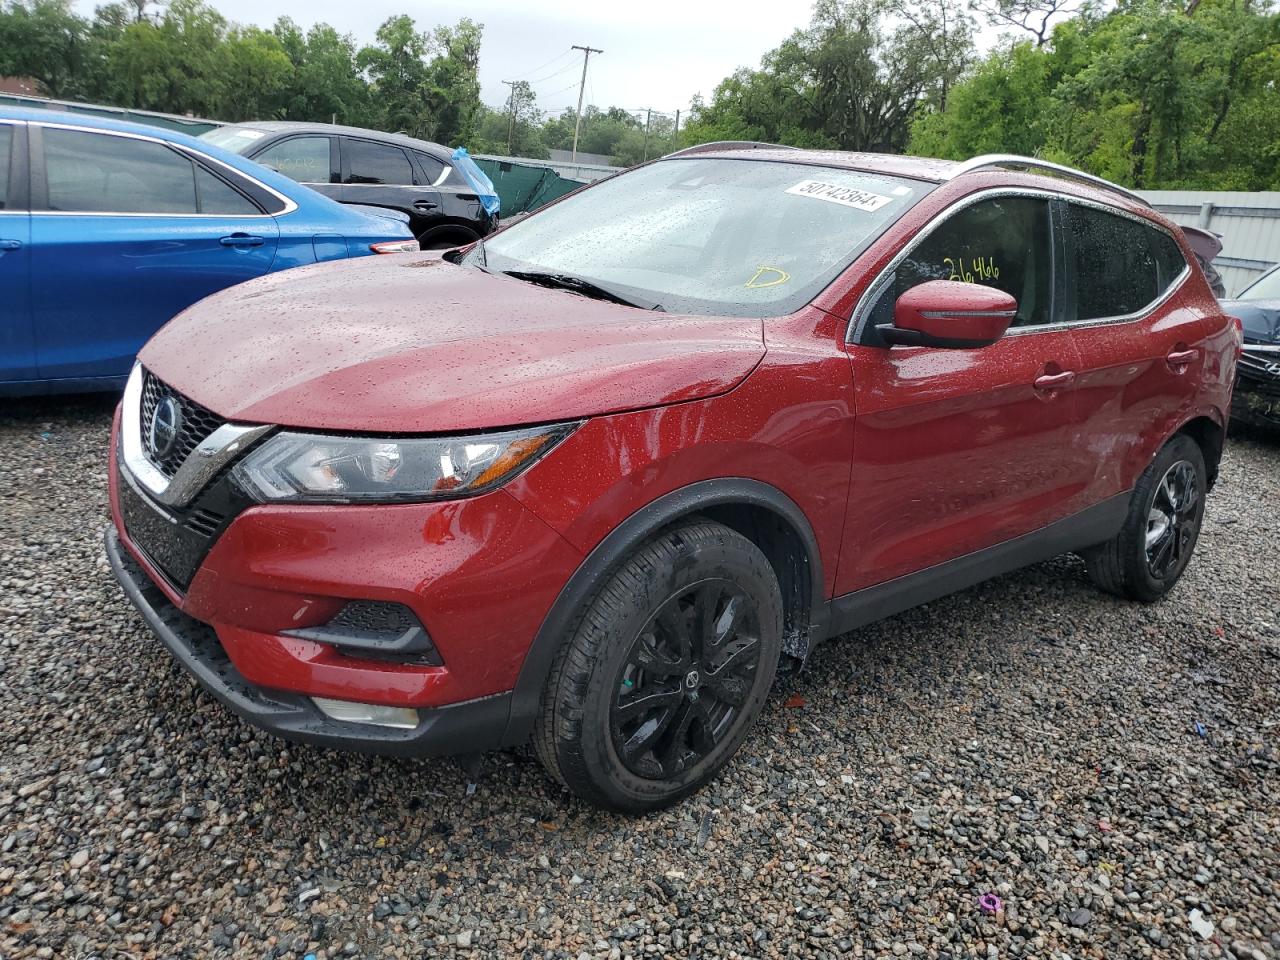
(1180, 358)
(241, 240)
(10, 244)
(1055, 381)
(425, 204)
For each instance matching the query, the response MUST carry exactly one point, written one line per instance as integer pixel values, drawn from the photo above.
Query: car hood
(1260, 319)
(411, 343)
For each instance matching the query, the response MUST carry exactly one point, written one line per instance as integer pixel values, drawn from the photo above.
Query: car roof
(993, 169)
(301, 126)
(96, 122)
(914, 168)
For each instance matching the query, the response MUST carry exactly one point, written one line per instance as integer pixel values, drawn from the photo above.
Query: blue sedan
(108, 229)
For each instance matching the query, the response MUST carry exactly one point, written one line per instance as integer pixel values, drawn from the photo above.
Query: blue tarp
(480, 183)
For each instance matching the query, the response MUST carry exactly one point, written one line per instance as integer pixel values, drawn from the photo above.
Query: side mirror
(948, 313)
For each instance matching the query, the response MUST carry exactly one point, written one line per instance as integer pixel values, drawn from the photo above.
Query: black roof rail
(728, 145)
(1011, 161)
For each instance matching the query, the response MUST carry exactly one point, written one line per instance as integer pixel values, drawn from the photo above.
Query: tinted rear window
(101, 173)
(377, 163)
(1121, 265)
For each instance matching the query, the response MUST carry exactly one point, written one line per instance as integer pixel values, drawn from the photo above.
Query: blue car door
(17, 349)
(126, 231)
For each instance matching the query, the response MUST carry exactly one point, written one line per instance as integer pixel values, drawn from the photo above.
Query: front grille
(205, 522)
(197, 423)
(1262, 368)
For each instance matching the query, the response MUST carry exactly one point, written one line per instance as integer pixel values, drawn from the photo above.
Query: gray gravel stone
(138, 818)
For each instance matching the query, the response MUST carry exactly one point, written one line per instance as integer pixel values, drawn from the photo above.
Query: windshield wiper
(588, 288)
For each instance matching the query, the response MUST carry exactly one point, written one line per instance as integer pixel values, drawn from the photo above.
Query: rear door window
(1122, 266)
(305, 159)
(369, 162)
(101, 173)
(6, 145)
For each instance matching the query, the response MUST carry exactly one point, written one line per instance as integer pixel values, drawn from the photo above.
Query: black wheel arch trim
(613, 550)
(449, 229)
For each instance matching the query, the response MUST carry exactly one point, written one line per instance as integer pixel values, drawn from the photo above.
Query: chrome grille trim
(204, 462)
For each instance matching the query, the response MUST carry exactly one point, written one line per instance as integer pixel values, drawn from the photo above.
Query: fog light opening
(348, 711)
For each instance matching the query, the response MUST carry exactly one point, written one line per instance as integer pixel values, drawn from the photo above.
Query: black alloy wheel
(685, 679)
(667, 667)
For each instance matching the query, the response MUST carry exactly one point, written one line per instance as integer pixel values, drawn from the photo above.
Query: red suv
(592, 481)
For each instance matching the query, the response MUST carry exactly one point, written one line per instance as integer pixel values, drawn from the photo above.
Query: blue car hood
(1260, 318)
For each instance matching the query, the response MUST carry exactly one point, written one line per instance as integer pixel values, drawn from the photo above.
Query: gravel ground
(1108, 770)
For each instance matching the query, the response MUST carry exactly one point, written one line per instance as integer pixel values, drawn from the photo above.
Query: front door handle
(1180, 358)
(10, 244)
(241, 240)
(1055, 381)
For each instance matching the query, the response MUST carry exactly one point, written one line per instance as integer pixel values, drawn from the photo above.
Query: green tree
(516, 130)
(1147, 93)
(45, 40)
(175, 64)
(853, 80)
(425, 84)
(326, 83)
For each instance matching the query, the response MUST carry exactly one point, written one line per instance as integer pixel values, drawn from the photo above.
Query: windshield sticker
(767, 277)
(845, 196)
(901, 191)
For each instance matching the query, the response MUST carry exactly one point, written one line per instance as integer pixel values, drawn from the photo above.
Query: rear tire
(666, 670)
(1146, 558)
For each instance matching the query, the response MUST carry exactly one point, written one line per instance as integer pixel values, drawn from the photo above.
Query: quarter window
(305, 159)
(217, 198)
(1005, 242)
(377, 163)
(6, 144)
(1121, 265)
(431, 166)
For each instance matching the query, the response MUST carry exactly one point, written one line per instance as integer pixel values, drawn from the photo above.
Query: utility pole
(582, 86)
(675, 137)
(511, 111)
(648, 120)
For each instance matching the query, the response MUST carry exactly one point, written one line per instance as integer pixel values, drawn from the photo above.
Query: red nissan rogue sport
(591, 481)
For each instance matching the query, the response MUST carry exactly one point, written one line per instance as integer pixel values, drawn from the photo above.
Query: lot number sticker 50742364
(845, 196)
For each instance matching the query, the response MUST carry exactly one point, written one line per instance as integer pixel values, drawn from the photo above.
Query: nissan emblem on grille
(166, 426)
(172, 426)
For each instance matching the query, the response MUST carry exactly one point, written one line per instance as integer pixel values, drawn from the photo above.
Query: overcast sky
(657, 53)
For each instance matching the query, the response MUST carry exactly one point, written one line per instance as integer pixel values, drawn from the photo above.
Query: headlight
(302, 467)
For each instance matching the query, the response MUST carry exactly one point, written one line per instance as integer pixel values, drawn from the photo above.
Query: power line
(566, 53)
(551, 76)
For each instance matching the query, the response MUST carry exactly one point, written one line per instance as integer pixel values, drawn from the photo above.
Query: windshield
(713, 236)
(1266, 287)
(235, 139)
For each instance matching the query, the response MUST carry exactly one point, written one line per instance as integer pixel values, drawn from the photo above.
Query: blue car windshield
(696, 235)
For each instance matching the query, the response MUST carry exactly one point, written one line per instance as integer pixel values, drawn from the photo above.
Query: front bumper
(1256, 404)
(470, 727)
(479, 575)
(1256, 398)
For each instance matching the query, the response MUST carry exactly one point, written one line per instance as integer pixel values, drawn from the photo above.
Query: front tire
(1154, 546)
(665, 672)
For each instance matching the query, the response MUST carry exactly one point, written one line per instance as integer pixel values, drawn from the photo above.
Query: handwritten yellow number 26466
(976, 270)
